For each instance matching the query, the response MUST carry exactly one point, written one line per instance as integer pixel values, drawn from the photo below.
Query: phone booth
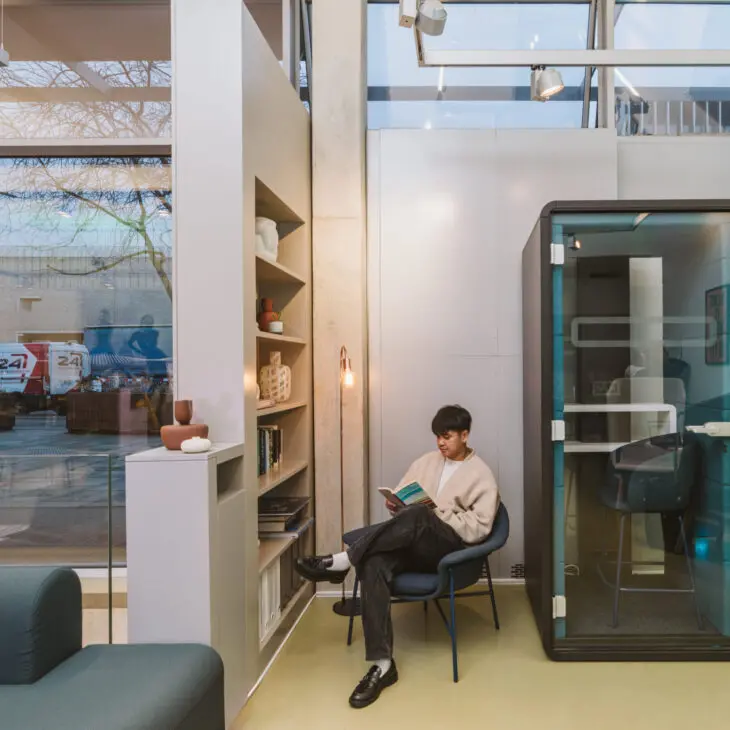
(626, 346)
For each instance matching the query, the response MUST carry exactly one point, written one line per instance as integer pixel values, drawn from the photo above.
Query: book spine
(270, 448)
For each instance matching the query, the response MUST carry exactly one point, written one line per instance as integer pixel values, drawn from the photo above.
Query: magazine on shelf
(280, 514)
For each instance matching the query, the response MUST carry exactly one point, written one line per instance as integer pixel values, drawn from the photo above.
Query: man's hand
(393, 508)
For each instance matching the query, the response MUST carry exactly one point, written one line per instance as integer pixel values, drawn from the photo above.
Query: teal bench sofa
(48, 682)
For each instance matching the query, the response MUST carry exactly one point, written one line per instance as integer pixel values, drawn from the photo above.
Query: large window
(400, 94)
(673, 101)
(89, 70)
(648, 101)
(85, 347)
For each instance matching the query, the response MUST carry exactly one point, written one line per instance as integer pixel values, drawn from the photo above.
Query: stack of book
(270, 448)
(280, 515)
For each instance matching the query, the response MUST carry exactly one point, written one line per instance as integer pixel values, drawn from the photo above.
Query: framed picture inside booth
(716, 327)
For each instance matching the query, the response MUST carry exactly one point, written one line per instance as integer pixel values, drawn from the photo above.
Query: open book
(407, 495)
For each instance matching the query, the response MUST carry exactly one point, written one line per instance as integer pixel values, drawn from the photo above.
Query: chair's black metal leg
(619, 563)
(690, 570)
(491, 594)
(452, 628)
(352, 611)
(425, 607)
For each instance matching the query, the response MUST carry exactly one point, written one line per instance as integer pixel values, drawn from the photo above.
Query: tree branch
(105, 267)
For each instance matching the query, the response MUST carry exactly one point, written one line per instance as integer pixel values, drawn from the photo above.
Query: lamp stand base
(344, 607)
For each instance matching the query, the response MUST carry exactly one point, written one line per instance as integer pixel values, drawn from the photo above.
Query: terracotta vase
(173, 436)
(183, 412)
(267, 314)
(275, 380)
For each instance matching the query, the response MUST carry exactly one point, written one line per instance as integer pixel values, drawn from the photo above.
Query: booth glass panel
(641, 328)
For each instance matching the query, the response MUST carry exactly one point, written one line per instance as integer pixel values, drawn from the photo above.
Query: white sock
(340, 561)
(383, 664)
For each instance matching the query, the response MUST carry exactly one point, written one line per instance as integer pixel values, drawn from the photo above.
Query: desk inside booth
(625, 422)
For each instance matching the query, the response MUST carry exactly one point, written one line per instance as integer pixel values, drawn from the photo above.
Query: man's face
(452, 444)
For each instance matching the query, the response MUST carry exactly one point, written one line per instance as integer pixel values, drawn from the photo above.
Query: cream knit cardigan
(468, 501)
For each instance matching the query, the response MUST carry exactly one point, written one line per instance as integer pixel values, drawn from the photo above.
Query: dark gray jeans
(414, 541)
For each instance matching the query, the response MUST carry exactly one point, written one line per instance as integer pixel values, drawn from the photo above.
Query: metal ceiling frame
(602, 16)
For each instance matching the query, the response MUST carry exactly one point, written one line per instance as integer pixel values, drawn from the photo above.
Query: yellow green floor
(506, 681)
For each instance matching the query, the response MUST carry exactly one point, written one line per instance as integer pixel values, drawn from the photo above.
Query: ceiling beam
(575, 58)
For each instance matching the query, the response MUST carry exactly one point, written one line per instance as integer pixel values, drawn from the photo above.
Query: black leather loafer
(316, 569)
(371, 685)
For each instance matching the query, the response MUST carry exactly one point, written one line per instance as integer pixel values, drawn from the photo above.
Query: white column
(207, 95)
(338, 127)
(647, 336)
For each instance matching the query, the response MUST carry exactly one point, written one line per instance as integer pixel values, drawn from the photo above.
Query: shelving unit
(272, 548)
(282, 408)
(269, 271)
(286, 471)
(281, 339)
(303, 592)
(287, 281)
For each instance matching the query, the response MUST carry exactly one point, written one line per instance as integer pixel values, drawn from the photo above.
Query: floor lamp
(343, 607)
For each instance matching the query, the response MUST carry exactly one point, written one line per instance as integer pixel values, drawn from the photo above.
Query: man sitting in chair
(466, 499)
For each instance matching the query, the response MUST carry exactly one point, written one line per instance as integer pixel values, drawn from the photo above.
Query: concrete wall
(449, 214)
(454, 210)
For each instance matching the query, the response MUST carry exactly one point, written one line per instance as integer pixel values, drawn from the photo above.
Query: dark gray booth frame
(537, 318)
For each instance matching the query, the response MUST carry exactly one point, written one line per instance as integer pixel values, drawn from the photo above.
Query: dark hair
(451, 418)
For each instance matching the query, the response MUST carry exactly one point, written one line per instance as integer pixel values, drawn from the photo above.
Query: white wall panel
(674, 168)
(450, 211)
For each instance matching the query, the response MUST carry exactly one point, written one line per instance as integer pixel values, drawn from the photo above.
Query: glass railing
(59, 507)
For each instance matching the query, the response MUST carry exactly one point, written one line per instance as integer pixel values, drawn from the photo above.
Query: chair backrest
(651, 475)
(500, 529)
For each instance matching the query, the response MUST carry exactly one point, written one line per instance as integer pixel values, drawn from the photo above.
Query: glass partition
(642, 379)
(85, 358)
(60, 507)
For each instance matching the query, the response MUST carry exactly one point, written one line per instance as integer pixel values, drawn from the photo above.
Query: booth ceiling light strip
(571, 58)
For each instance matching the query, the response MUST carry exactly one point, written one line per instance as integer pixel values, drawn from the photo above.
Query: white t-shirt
(449, 468)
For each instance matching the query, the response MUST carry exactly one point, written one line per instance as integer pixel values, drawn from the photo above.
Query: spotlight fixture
(429, 16)
(544, 83)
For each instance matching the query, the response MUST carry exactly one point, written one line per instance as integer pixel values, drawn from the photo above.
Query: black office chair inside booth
(455, 572)
(652, 476)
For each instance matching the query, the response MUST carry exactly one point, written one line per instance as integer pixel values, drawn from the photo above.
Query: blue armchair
(456, 571)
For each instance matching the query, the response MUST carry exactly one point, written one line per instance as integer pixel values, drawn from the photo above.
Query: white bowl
(195, 445)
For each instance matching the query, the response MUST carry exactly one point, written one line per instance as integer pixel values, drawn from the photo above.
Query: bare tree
(109, 99)
(133, 192)
(105, 99)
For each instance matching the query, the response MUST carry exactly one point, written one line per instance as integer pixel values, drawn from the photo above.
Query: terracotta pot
(267, 314)
(173, 436)
(266, 318)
